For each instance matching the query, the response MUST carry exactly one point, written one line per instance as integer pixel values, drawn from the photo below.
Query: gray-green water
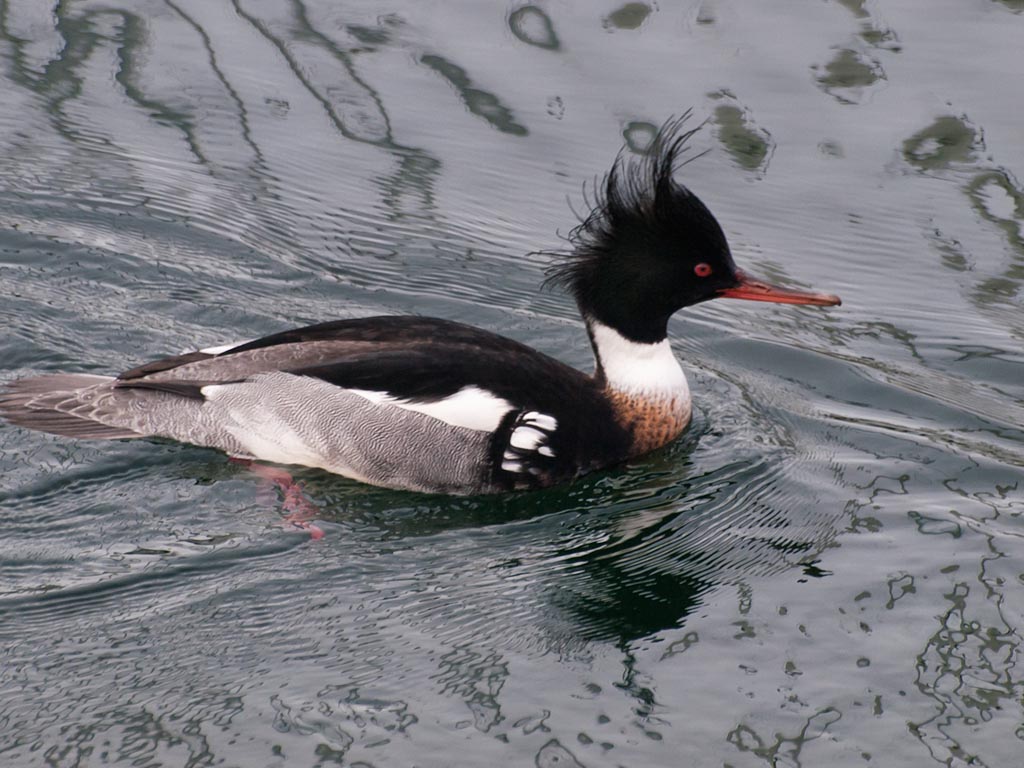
(828, 569)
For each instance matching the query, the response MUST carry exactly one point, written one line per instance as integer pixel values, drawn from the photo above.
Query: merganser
(431, 405)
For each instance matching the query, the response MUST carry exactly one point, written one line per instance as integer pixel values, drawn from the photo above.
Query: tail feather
(61, 404)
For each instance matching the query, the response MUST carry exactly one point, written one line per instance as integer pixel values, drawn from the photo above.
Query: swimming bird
(436, 406)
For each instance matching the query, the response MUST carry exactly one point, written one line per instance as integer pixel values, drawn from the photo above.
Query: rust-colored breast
(652, 420)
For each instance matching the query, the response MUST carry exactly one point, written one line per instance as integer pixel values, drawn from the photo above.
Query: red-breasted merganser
(432, 405)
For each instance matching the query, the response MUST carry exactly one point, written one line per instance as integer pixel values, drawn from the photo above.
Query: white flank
(264, 434)
(630, 366)
(222, 348)
(211, 391)
(470, 407)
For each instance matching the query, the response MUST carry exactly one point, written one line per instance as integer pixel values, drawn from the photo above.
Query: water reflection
(750, 145)
(1017, 6)
(829, 556)
(873, 32)
(324, 68)
(947, 141)
(480, 102)
(354, 107)
(784, 750)
(952, 146)
(628, 16)
(850, 75)
(533, 26)
(968, 665)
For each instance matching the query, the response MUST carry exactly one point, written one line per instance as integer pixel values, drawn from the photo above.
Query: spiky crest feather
(635, 196)
(632, 257)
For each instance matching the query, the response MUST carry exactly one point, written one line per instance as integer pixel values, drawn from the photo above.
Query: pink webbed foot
(300, 510)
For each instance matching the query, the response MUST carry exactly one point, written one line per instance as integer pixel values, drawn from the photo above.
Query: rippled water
(827, 569)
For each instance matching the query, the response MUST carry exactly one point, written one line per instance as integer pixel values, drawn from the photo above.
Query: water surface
(826, 569)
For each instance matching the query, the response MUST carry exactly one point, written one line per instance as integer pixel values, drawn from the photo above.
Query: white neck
(630, 366)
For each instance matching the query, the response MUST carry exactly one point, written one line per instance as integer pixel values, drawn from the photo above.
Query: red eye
(702, 270)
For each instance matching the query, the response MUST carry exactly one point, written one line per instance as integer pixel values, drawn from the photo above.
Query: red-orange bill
(755, 290)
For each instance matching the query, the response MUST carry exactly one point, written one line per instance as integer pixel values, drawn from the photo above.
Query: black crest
(633, 256)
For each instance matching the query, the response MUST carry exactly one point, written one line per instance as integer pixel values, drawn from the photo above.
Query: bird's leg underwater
(299, 508)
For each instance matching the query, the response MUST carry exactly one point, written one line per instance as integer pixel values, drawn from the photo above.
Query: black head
(649, 247)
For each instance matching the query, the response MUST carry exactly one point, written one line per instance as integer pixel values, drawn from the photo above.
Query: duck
(435, 406)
